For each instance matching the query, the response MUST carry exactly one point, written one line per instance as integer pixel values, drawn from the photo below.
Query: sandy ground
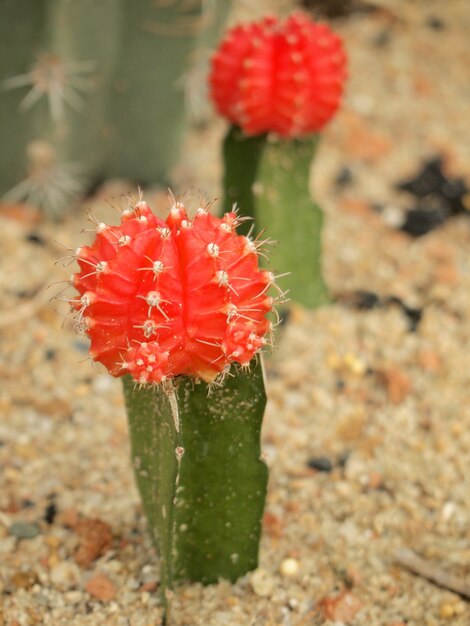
(383, 408)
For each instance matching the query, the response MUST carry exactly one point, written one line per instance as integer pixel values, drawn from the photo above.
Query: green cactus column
(241, 156)
(147, 102)
(294, 221)
(196, 455)
(95, 89)
(269, 179)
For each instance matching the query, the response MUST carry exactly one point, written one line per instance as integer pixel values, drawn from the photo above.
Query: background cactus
(169, 304)
(285, 79)
(93, 90)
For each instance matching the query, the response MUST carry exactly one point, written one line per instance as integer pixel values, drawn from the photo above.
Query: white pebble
(289, 568)
(65, 576)
(261, 583)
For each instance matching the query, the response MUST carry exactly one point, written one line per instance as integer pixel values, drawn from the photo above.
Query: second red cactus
(286, 77)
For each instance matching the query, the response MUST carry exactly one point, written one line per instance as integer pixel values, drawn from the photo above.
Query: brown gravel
(389, 408)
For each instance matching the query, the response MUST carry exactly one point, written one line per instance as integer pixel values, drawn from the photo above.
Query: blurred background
(367, 429)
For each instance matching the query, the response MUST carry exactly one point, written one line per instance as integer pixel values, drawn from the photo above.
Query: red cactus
(161, 298)
(281, 77)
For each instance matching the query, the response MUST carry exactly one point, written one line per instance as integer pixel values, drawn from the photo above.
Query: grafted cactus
(179, 308)
(278, 83)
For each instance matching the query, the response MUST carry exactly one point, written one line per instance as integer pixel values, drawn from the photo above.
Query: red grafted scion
(286, 78)
(181, 296)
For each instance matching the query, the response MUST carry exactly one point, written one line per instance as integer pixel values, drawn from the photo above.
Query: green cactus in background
(270, 177)
(92, 90)
(295, 221)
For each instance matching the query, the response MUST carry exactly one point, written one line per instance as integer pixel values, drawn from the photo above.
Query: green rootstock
(241, 155)
(200, 475)
(272, 186)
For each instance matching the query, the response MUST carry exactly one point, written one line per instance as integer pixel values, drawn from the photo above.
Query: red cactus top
(162, 298)
(286, 78)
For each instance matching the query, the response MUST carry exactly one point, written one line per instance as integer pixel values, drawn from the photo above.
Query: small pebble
(74, 597)
(262, 583)
(101, 588)
(65, 576)
(289, 568)
(446, 610)
(24, 530)
(320, 463)
(24, 580)
(50, 513)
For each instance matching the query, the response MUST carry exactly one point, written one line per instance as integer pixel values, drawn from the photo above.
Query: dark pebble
(428, 180)
(365, 300)
(36, 239)
(419, 222)
(345, 177)
(454, 191)
(382, 39)
(414, 315)
(50, 354)
(440, 196)
(24, 530)
(320, 463)
(435, 23)
(50, 513)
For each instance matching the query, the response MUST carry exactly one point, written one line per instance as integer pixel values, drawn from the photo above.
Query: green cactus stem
(269, 178)
(241, 155)
(196, 454)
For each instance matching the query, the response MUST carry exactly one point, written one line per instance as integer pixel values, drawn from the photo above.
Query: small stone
(354, 365)
(261, 583)
(340, 608)
(375, 480)
(101, 588)
(24, 530)
(50, 513)
(272, 524)
(74, 597)
(396, 382)
(429, 360)
(65, 576)
(320, 463)
(95, 539)
(446, 610)
(289, 568)
(25, 580)
(351, 426)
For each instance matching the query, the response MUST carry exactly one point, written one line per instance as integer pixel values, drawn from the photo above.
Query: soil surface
(367, 430)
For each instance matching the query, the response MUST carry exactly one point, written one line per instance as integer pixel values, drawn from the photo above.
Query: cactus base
(199, 473)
